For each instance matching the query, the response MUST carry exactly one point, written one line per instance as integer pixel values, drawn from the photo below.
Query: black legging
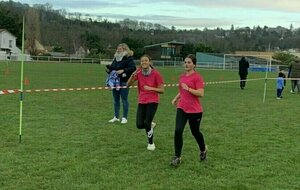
(243, 79)
(144, 116)
(194, 122)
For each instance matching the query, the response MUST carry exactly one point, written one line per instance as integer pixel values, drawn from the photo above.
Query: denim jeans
(279, 92)
(123, 94)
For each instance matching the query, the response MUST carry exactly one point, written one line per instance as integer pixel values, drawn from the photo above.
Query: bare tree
(33, 30)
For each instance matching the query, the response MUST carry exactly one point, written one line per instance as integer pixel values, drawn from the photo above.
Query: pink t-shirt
(152, 80)
(188, 102)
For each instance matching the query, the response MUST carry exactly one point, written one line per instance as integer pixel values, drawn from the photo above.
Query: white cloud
(276, 5)
(188, 13)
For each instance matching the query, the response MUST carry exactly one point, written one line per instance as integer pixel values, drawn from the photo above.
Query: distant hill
(57, 29)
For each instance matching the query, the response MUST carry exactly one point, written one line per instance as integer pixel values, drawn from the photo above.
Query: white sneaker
(113, 120)
(124, 120)
(151, 147)
(153, 125)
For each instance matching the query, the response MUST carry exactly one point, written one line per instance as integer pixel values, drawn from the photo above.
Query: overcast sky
(188, 14)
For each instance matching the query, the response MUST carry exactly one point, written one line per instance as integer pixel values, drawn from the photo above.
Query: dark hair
(280, 74)
(193, 58)
(150, 59)
(148, 56)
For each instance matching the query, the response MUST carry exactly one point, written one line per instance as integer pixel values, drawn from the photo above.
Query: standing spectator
(150, 84)
(123, 64)
(243, 72)
(294, 70)
(280, 83)
(189, 108)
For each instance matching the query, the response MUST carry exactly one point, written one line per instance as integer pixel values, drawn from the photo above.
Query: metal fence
(66, 59)
(222, 64)
(235, 66)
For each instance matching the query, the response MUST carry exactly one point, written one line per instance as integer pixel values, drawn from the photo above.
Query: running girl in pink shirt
(150, 84)
(189, 108)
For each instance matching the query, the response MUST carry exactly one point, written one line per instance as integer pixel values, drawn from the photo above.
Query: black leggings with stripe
(144, 116)
(194, 122)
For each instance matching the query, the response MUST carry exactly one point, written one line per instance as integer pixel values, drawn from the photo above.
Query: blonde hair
(126, 48)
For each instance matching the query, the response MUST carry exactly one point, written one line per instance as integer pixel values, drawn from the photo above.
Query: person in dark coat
(294, 74)
(123, 64)
(243, 72)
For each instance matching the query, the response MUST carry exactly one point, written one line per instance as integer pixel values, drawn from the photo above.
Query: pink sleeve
(159, 79)
(199, 82)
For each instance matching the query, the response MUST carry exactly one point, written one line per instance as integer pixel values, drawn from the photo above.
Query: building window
(164, 51)
(168, 51)
(10, 43)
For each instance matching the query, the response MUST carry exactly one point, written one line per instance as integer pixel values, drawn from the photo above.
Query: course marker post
(21, 78)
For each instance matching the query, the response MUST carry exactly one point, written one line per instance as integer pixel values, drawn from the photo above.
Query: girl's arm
(131, 79)
(160, 89)
(196, 92)
(176, 98)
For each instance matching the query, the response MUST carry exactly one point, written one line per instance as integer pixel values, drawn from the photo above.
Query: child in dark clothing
(280, 84)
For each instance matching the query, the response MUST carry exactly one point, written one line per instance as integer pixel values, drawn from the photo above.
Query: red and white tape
(15, 91)
(3, 92)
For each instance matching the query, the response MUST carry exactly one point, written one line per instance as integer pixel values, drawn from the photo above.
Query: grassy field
(67, 142)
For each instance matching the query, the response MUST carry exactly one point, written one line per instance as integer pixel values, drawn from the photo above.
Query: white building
(8, 48)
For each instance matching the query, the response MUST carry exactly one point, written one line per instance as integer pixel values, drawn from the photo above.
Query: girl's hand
(174, 102)
(184, 86)
(147, 87)
(136, 72)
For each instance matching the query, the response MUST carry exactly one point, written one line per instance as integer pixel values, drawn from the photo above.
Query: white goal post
(232, 60)
(256, 64)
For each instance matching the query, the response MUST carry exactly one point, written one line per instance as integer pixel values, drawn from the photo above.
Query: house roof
(171, 42)
(4, 30)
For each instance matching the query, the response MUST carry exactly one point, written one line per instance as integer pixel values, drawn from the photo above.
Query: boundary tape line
(15, 91)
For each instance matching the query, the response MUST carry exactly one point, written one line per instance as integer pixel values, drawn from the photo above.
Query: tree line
(66, 32)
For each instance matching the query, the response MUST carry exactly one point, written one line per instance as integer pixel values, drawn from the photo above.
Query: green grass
(67, 142)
